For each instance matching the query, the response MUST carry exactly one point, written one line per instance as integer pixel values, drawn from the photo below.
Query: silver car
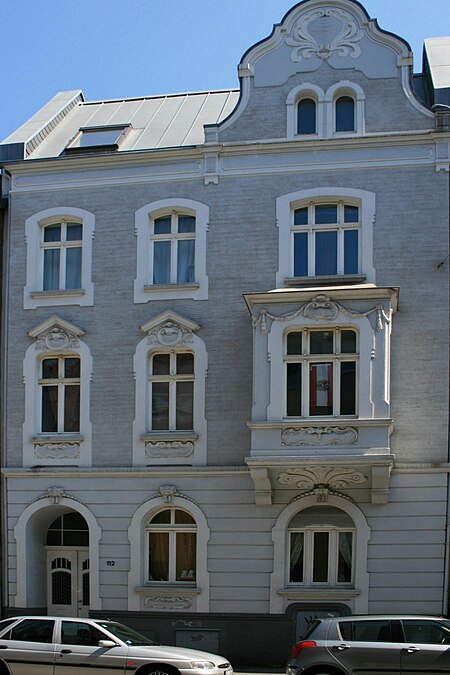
(49, 645)
(375, 645)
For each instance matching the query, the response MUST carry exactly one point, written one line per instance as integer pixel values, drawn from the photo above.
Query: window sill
(170, 436)
(327, 593)
(335, 279)
(71, 293)
(157, 288)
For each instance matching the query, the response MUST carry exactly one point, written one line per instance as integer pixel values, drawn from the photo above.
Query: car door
(78, 651)
(367, 647)
(28, 647)
(426, 648)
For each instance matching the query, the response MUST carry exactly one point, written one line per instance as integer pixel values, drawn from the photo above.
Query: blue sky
(125, 48)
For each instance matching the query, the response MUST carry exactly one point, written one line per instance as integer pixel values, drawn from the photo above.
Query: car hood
(175, 654)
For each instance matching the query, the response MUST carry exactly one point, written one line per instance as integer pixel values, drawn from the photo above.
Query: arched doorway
(67, 546)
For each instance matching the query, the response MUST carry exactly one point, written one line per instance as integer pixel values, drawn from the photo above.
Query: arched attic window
(345, 114)
(307, 116)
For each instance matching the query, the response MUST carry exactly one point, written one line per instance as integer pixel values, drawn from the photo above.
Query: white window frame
(172, 529)
(61, 382)
(336, 358)
(169, 446)
(172, 378)
(56, 338)
(34, 295)
(138, 588)
(144, 289)
(306, 90)
(287, 204)
(282, 592)
(308, 556)
(312, 228)
(354, 91)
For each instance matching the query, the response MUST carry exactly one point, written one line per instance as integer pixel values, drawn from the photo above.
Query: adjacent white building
(225, 345)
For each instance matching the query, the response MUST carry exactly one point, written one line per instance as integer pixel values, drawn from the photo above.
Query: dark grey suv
(373, 645)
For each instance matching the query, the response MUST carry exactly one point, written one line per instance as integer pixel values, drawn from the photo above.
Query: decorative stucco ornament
(319, 436)
(167, 602)
(57, 450)
(56, 340)
(324, 33)
(169, 448)
(311, 477)
(169, 334)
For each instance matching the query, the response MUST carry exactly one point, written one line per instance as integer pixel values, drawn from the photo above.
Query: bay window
(321, 372)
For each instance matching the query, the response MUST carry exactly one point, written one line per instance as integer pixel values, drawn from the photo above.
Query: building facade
(225, 345)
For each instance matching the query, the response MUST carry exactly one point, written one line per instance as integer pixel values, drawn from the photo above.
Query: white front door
(68, 582)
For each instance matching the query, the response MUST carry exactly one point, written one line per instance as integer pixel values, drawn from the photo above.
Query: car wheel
(160, 670)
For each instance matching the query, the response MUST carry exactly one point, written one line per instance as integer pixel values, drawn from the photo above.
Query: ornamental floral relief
(169, 449)
(169, 334)
(296, 436)
(324, 33)
(51, 450)
(309, 477)
(56, 340)
(167, 602)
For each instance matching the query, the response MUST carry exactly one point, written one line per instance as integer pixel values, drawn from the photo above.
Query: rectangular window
(173, 241)
(62, 256)
(326, 240)
(321, 372)
(60, 394)
(171, 382)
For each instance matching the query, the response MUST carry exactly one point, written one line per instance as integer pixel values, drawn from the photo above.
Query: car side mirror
(107, 643)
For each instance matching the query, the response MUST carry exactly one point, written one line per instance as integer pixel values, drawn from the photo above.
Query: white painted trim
(30, 532)
(33, 356)
(144, 258)
(32, 296)
(140, 367)
(278, 581)
(137, 539)
(287, 202)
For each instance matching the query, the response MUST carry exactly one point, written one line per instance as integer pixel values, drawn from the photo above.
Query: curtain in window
(158, 554)
(51, 269)
(296, 561)
(345, 556)
(73, 267)
(186, 556)
(186, 261)
(50, 409)
(161, 262)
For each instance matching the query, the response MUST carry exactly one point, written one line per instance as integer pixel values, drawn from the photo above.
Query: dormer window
(90, 139)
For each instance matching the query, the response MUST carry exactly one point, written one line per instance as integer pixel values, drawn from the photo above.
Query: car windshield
(127, 635)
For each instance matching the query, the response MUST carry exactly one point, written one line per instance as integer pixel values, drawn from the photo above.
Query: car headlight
(202, 665)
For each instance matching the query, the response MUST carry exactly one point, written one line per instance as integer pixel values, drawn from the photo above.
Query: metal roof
(167, 121)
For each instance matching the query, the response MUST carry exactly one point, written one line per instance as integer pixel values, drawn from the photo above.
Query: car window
(366, 631)
(32, 630)
(80, 633)
(5, 623)
(427, 632)
(126, 634)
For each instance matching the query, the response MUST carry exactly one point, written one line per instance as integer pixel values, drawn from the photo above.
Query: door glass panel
(61, 588)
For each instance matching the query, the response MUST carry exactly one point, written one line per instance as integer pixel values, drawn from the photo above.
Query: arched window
(69, 529)
(171, 391)
(172, 547)
(59, 258)
(321, 372)
(171, 250)
(321, 547)
(345, 114)
(61, 248)
(306, 116)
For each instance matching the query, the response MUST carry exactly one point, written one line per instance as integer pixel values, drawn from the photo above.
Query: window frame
(288, 203)
(62, 245)
(61, 382)
(144, 288)
(173, 238)
(308, 358)
(172, 529)
(345, 88)
(34, 293)
(312, 228)
(59, 339)
(172, 378)
(308, 557)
